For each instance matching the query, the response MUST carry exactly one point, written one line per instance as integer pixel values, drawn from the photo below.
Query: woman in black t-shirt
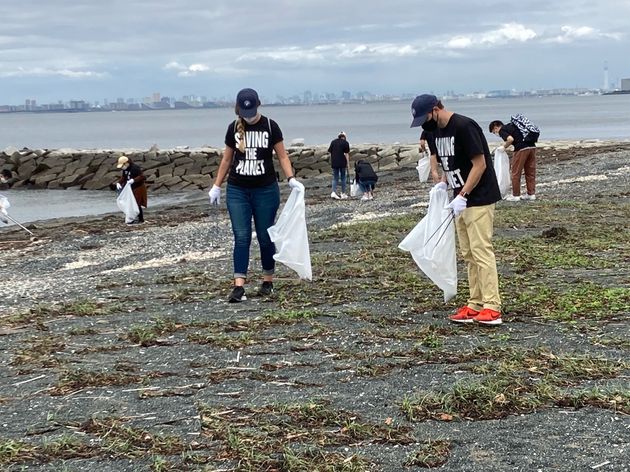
(252, 189)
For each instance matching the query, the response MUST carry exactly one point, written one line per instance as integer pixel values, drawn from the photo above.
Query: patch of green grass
(616, 400)
(315, 459)
(67, 447)
(78, 379)
(78, 308)
(382, 231)
(40, 351)
(12, 451)
(432, 453)
(82, 331)
(519, 381)
(293, 436)
(147, 335)
(223, 340)
(580, 301)
(118, 438)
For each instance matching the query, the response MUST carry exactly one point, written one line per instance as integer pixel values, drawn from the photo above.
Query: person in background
(339, 150)
(463, 152)
(252, 188)
(132, 175)
(366, 178)
(426, 143)
(6, 179)
(524, 159)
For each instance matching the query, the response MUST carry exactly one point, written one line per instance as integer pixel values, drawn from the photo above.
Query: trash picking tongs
(448, 220)
(6, 215)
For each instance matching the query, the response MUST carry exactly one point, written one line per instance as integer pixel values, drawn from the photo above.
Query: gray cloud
(213, 48)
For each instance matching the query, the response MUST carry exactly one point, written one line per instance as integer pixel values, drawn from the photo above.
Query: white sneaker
(513, 198)
(335, 196)
(528, 197)
(344, 196)
(370, 197)
(365, 197)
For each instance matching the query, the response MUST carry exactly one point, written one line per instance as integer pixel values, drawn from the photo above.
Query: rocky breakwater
(180, 169)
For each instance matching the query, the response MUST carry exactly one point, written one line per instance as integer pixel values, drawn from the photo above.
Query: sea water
(603, 117)
(559, 118)
(34, 205)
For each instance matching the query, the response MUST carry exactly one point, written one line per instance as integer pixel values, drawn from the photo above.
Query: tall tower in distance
(606, 75)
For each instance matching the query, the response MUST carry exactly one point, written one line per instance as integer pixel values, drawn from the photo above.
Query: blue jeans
(262, 203)
(367, 185)
(339, 173)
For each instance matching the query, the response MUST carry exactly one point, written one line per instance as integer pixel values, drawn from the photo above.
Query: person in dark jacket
(132, 175)
(6, 179)
(366, 178)
(339, 150)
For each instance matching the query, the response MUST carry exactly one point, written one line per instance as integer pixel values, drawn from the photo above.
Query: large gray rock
(199, 180)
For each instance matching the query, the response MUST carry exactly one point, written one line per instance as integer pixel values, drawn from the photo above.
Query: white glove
(215, 195)
(440, 186)
(458, 205)
(295, 183)
(118, 186)
(130, 181)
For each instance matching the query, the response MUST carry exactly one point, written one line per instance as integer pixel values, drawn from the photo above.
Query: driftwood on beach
(170, 170)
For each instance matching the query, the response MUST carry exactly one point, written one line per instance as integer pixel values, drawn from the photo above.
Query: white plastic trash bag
(291, 236)
(4, 206)
(423, 168)
(502, 169)
(432, 244)
(355, 189)
(127, 204)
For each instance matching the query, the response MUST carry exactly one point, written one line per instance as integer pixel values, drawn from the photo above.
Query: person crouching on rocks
(132, 175)
(252, 188)
(366, 178)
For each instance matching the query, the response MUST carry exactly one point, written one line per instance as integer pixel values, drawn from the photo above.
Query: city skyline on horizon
(301, 97)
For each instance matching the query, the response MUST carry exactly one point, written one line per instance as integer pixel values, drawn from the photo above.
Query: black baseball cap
(420, 107)
(247, 101)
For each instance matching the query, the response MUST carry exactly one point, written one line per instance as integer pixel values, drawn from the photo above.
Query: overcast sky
(97, 49)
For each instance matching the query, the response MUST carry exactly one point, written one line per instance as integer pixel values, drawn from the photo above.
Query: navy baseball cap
(420, 107)
(247, 101)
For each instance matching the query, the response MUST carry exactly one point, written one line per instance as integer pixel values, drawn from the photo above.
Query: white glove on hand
(215, 195)
(118, 186)
(440, 186)
(295, 183)
(458, 205)
(130, 181)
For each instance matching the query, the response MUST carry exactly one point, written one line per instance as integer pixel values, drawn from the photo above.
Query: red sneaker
(488, 317)
(464, 315)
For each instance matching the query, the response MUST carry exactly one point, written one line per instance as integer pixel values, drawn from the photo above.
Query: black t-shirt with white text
(455, 146)
(254, 167)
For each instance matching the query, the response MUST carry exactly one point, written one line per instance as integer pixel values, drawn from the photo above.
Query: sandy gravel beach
(119, 351)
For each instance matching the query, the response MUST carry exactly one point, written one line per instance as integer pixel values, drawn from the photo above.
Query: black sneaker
(237, 295)
(265, 289)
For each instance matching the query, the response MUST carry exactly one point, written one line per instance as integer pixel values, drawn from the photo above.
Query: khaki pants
(524, 160)
(474, 230)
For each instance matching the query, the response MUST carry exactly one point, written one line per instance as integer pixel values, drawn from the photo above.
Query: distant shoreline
(135, 107)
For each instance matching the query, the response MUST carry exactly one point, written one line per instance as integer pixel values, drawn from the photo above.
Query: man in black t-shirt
(458, 144)
(339, 150)
(524, 159)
